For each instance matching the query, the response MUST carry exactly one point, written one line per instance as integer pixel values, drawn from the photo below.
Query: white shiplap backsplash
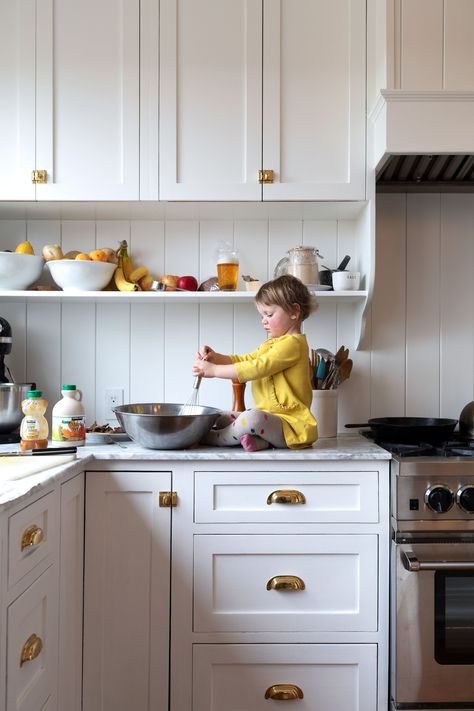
(420, 356)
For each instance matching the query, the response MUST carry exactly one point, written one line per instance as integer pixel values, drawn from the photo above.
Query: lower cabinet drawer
(253, 583)
(32, 646)
(31, 533)
(327, 677)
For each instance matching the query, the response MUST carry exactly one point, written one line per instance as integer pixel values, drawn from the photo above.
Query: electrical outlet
(113, 397)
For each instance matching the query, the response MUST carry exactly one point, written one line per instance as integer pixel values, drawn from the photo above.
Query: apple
(189, 283)
(170, 281)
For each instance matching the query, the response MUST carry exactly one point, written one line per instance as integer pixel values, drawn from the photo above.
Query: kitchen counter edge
(342, 448)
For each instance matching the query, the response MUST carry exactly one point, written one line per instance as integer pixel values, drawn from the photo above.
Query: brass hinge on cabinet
(265, 176)
(39, 176)
(168, 499)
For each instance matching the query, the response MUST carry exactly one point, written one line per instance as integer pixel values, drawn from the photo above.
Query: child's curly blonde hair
(286, 291)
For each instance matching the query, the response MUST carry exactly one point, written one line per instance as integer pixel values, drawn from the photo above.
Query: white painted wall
(421, 326)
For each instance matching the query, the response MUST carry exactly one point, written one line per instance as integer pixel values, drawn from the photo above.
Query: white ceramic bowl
(345, 281)
(19, 271)
(81, 274)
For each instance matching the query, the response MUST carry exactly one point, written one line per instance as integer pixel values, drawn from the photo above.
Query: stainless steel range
(432, 577)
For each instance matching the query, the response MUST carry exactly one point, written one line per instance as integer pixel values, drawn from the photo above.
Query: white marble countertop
(343, 448)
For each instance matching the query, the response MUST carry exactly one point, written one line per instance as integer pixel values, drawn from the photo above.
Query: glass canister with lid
(301, 262)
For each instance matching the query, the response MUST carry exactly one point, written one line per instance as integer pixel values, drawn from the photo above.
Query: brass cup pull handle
(284, 692)
(31, 649)
(286, 496)
(32, 536)
(285, 582)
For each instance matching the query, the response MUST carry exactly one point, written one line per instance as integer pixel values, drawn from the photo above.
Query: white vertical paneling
(78, 235)
(216, 329)
(182, 248)
(147, 346)
(322, 235)
(423, 306)
(320, 329)
(112, 353)
(15, 314)
(212, 233)
(283, 234)
(457, 301)
(147, 242)
(41, 232)
(387, 376)
(354, 394)
(78, 348)
(458, 45)
(180, 345)
(251, 239)
(421, 44)
(12, 232)
(43, 350)
(110, 232)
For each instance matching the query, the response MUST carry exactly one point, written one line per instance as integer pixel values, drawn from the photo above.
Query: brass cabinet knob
(167, 499)
(285, 582)
(286, 496)
(32, 536)
(39, 177)
(284, 692)
(31, 649)
(265, 176)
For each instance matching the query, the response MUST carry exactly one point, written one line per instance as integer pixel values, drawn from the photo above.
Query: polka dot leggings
(252, 429)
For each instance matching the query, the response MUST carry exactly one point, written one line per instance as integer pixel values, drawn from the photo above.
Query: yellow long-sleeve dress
(281, 385)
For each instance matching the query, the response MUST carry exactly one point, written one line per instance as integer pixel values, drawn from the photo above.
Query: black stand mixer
(11, 393)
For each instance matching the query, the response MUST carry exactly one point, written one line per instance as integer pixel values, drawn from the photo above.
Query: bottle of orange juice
(34, 426)
(69, 420)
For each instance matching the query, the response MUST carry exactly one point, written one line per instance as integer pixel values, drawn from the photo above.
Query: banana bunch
(126, 276)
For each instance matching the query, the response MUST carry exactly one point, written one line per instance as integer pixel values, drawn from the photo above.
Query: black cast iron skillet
(410, 430)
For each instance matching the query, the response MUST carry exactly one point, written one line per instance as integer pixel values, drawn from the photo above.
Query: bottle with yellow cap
(34, 426)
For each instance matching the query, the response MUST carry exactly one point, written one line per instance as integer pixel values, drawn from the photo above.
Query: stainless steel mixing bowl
(160, 426)
(11, 395)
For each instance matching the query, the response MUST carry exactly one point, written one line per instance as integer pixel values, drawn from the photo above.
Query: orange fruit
(83, 255)
(98, 255)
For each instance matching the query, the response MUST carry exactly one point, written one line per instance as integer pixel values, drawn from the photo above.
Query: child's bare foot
(252, 443)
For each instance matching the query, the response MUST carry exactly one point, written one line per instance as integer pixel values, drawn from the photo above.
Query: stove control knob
(465, 498)
(439, 498)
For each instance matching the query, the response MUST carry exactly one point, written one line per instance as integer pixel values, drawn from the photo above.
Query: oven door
(433, 623)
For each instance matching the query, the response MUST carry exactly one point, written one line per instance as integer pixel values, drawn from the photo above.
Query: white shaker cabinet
(126, 606)
(262, 85)
(70, 100)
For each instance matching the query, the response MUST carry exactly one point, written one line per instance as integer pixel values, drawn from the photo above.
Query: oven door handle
(414, 565)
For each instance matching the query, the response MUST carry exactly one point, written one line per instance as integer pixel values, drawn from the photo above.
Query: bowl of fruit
(84, 272)
(20, 269)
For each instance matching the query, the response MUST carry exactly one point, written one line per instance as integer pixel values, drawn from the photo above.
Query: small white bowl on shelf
(346, 281)
(75, 275)
(19, 271)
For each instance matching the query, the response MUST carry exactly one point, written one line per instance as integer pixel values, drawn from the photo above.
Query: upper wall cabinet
(70, 99)
(262, 85)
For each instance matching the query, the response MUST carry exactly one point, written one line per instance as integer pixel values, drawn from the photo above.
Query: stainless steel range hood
(424, 141)
(430, 173)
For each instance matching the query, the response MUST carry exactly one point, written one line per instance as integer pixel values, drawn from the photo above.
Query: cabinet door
(32, 633)
(210, 99)
(329, 677)
(17, 114)
(87, 113)
(126, 605)
(71, 594)
(314, 99)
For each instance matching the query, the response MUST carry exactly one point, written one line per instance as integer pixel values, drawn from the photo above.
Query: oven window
(454, 617)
